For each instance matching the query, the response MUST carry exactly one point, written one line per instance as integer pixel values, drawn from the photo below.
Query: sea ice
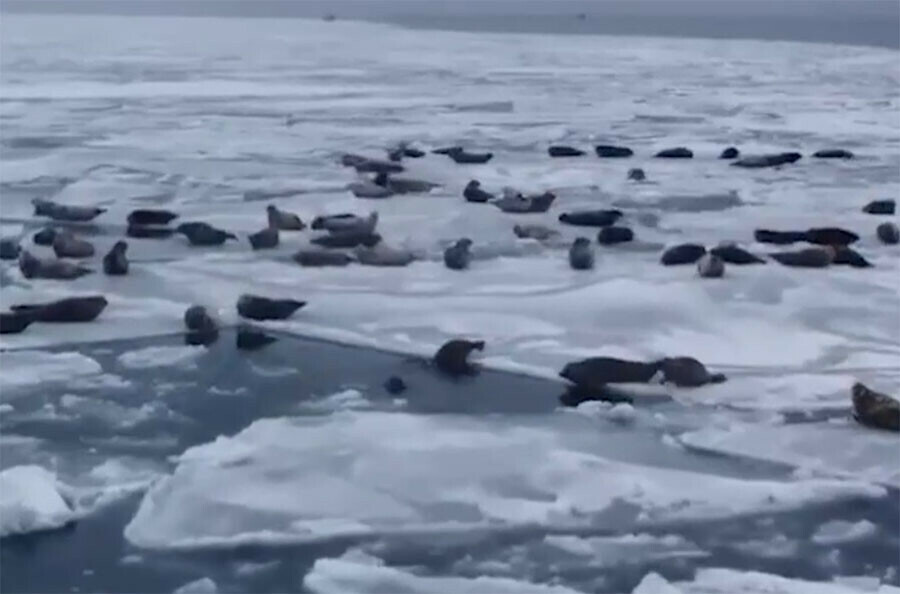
(360, 473)
(30, 500)
(362, 574)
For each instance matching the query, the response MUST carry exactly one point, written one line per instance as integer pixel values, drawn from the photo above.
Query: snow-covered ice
(30, 500)
(361, 573)
(315, 478)
(101, 110)
(162, 356)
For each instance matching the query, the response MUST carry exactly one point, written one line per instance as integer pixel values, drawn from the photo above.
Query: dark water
(92, 555)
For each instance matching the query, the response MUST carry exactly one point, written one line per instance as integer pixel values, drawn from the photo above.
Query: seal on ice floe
(453, 357)
(581, 254)
(875, 409)
(458, 256)
(70, 309)
(115, 263)
(33, 267)
(256, 307)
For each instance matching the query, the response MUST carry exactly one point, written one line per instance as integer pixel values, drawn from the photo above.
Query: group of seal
(590, 378)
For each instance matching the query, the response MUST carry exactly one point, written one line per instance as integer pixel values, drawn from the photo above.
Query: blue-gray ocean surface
(132, 462)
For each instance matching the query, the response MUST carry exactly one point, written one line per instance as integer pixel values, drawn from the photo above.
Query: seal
(447, 150)
(608, 151)
(474, 193)
(14, 323)
(394, 385)
(44, 237)
(613, 235)
(590, 218)
(880, 207)
(518, 204)
(888, 233)
(347, 239)
(760, 161)
(115, 263)
(202, 328)
(458, 256)
(64, 212)
(732, 254)
(581, 254)
(382, 255)
(403, 149)
(255, 307)
(678, 152)
(346, 222)
(711, 266)
(71, 309)
(367, 165)
(149, 232)
(637, 174)
(453, 357)
(874, 409)
(538, 232)
(204, 234)
(66, 245)
(596, 372)
(565, 151)
(816, 257)
(32, 267)
(778, 237)
(368, 189)
(846, 256)
(265, 239)
(730, 153)
(687, 372)
(9, 248)
(283, 220)
(403, 185)
(817, 235)
(685, 253)
(321, 258)
(251, 339)
(147, 216)
(462, 157)
(830, 236)
(833, 154)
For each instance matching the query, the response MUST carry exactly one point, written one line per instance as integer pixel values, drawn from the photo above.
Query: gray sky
(867, 22)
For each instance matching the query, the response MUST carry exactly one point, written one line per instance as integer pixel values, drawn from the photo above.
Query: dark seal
(453, 357)
(255, 307)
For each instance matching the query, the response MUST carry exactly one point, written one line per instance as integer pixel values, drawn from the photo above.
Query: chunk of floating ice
(839, 531)
(834, 449)
(359, 573)
(653, 583)
(30, 501)
(730, 581)
(160, 356)
(201, 586)
(347, 399)
(361, 473)
(22, 369)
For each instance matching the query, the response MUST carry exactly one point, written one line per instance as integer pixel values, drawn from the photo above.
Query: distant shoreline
(865, 30)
